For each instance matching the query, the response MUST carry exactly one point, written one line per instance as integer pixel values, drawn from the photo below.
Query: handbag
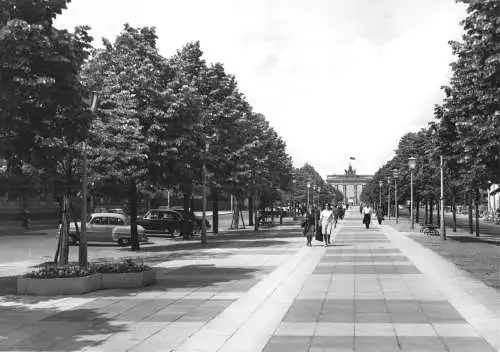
(319, 235)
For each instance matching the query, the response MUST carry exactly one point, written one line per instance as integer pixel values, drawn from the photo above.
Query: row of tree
(466, 129)
(157, 122)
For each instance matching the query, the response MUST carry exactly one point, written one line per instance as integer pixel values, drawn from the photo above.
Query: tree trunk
(438, 215)
(185, 222)
(417, 213)
(477, 212)
(250, 211)
(431, 211)
(215, 211)
(132, 198)
(454, 210)
(471, 225)
(62, 253)
(255, 212)
(426, 212)
(236, 216)
(272, 215)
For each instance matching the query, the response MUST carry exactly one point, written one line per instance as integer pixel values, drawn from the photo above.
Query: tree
(43, 116)
(136, 127)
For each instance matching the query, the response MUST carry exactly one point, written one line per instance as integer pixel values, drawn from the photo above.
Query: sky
(335, 78)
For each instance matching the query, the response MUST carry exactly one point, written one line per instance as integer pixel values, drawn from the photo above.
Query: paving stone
(288, 344)
(467, 344)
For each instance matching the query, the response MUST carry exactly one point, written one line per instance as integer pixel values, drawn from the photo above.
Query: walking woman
(309, 227)
(326, 221)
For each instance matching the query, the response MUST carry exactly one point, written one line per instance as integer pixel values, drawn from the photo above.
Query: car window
(99, 220)
(152, 215)
(172, 216)
(116, 221)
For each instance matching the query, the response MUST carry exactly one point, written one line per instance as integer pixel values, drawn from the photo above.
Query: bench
(429, 229)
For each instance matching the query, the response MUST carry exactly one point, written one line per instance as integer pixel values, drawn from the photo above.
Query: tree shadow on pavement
(190, 246)
(32, 327)
(471, 239)
(202, 276)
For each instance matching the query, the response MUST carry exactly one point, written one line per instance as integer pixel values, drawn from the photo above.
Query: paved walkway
(375, 290)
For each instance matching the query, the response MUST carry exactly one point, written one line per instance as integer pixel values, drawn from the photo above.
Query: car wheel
(175, 233)
(124, 242)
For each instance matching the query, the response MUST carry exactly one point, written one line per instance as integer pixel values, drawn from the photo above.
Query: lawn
(480, 259)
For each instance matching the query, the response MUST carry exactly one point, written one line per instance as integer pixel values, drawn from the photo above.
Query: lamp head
(412, 163)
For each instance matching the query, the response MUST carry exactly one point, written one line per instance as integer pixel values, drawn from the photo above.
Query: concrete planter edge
(128, 280)
(59, 286)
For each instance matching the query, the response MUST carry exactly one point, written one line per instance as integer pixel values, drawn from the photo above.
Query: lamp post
(389, 197)
(319, 194)
(308, 187)
(204, 191)
(293, 197)
(443, 227)
(380, 183)
(395, 174)
(412, 163)
(82, 243)
(312, 196)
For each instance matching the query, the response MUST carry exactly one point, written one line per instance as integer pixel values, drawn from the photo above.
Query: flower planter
(59, 286)
(128, 280)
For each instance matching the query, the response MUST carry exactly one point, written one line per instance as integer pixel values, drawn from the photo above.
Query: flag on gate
(352, 158)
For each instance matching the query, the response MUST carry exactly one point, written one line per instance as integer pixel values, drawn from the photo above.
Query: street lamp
(395, 174)
(312, 197)
(294, 181)
(82, 243)
(380, 184)
(319, 194)
(443, 227)
(204, 192)
(308, 187)
(389, 197)
(412, 163)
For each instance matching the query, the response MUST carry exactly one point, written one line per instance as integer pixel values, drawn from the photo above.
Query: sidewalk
(375, 290)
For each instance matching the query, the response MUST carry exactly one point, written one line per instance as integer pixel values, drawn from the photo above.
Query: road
(41, 244)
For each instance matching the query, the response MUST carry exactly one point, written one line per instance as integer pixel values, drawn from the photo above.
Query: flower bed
(51, 279)
(128, 273)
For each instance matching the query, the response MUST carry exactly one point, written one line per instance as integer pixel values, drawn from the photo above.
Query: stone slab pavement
(373, 290)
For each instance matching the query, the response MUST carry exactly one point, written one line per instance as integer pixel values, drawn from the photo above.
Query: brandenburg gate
(350, 184)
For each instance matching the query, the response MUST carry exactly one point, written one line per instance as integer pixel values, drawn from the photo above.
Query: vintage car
(196, 218)
(166, 221)
(106, 227)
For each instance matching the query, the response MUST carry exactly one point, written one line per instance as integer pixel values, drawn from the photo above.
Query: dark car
(197, 219)
(165, 220)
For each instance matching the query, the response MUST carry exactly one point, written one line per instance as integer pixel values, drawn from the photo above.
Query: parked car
(166, 220)
(107, 227)
(196, 218)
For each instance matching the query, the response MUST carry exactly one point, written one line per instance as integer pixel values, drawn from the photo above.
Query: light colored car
(107, 227)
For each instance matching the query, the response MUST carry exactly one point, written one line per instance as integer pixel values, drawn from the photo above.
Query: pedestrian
(326, 221)
(380, 215)
(336, 213)
(342, 212)
(367, 215)
(361, 208)
(309, 227)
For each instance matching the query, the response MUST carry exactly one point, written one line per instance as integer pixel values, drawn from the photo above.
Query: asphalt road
(41, 244)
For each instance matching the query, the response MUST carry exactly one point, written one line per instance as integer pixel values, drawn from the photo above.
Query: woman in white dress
(326, 221)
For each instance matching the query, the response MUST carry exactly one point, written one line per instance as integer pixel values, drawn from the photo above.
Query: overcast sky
(335, 78)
